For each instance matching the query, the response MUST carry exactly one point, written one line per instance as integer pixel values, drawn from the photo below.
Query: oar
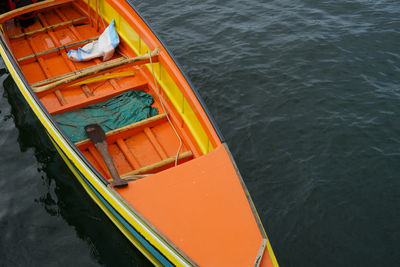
(98, 137)
(95, 69)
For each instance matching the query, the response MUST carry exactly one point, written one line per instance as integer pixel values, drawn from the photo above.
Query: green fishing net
(119, 111)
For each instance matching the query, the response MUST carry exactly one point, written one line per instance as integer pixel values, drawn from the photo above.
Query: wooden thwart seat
(75, 76)
(47, 28)
(105, 77)
(146, 169)
(58, 48)
(73, 73)
(115, 136)
(146, 122)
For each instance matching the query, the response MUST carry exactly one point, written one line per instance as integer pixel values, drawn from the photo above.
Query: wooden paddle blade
(120, 183)
(98, 137)
(95, 133)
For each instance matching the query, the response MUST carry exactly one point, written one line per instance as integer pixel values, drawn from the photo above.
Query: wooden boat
(185, 203)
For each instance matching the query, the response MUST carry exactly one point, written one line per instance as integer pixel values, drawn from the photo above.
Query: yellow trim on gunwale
(140, 226)
(132, 38)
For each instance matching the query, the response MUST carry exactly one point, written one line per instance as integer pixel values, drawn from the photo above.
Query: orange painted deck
(201, 206)
(204, 211)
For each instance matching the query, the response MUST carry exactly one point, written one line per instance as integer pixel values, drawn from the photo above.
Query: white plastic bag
(103, 47)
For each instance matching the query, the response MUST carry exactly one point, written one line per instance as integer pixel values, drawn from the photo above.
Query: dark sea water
(307, 94)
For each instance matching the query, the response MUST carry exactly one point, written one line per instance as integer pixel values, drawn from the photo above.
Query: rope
(90, 17)
(99, 12)
(162, 105)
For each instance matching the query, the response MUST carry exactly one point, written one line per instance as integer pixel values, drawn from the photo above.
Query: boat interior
(145, 147)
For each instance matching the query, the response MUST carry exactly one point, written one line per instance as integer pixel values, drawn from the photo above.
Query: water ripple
(307, 95)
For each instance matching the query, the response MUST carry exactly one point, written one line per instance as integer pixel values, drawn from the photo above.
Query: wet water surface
(307, 95)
